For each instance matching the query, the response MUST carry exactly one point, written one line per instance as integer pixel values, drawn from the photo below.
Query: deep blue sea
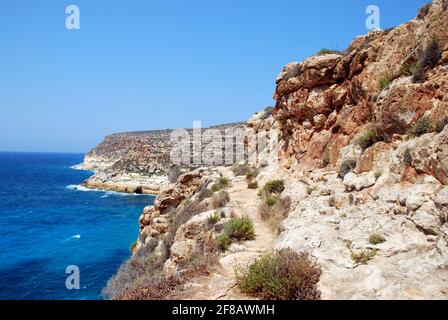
(47, 225)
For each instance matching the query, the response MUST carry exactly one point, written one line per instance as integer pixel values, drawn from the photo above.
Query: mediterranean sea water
(48, 223)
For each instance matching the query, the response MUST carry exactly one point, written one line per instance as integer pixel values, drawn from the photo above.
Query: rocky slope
(136, 162)
(363, 151)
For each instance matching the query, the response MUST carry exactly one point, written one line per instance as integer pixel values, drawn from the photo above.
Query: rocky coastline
(362, 167)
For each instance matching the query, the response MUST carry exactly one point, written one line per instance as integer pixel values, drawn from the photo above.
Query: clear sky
(152, 64)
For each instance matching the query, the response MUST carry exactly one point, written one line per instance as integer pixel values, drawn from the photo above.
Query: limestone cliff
(135, 162)
(363, 153)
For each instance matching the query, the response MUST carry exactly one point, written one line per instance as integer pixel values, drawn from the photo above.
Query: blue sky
(152, 64)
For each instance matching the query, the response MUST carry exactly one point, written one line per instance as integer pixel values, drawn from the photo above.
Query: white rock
(352, 181)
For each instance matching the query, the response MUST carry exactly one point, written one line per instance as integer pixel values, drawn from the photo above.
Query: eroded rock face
(139, 162)
(325, 102)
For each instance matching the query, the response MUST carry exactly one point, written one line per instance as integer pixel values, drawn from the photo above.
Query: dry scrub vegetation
(284, 275)
(142, 278)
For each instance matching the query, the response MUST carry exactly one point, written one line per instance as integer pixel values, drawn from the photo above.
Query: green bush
(251, 174)
(407, 157)
(284, 275)
(271, 200)
(326, 160)
(276, 213)
(240, 228)
(378, 174)
(224, 241)
(220, 199)
(252, 185)
(386, 80)
(216, 187)
(310, 190)
(407, 69)
(241, 169)
(214, 218)
(224, 182)
(375, 239)
(325, 51)
(363, 257)
(274, 186)
(421, 127)
(367, 139)
(346, 166)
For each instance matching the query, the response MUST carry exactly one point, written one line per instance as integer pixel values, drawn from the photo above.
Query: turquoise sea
(48, 223)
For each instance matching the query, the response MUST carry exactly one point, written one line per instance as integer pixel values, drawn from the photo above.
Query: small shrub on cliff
(325, 51)
(310, 190)
(276, 213)
(204, 194)
(252, 185)
(326, 160)
(407, 157)
(421, 127)
(284, 275)
(423, 11)
(216, 187)
(376, 238)
(408, 69)
(214, 218)
(219, 200)
(346, 166)
(368, 139)
(241, 169)
(363, 257)
(224, 181)
(428, 57)
(440, 125)
(271, 199)
(224, 241)
(386, 80)
(274, 186)
(240, 228)
(251, 174)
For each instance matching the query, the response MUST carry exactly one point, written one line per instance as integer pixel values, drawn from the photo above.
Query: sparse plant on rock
(376, 238)
(326, 160)
(271, 200)
(219, 200)
(214, 218)
(421, 127)
(386, 80)
(310, 190)
(240, 228)
(378, 174)
(252, 185)
(367, 139)
(325, 51)
(276, 213)
(224, 241)
(284, 275)
(274, 186)
(346, 166)
(363, 257)
(440, 125)
(407, 157)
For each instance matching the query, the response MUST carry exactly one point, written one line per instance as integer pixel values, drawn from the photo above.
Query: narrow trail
(221, 283)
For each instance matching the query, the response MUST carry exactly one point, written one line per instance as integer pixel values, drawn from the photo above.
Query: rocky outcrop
(325, 102)
(136, 162)
(360, 140)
